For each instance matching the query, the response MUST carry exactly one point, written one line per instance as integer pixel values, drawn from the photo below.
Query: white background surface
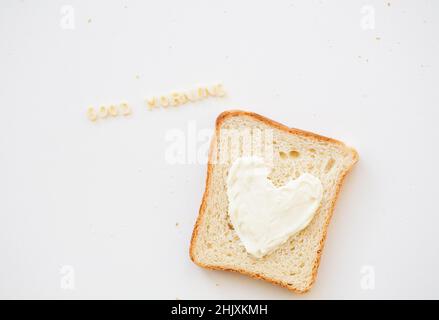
(102, 199)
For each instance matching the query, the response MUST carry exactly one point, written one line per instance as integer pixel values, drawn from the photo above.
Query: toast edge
(234, 113)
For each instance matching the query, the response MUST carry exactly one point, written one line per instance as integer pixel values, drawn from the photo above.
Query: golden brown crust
(234, 113)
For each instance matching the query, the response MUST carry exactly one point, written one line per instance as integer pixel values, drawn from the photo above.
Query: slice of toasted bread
(294, 264)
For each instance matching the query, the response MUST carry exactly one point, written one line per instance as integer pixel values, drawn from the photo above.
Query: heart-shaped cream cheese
(263, 216)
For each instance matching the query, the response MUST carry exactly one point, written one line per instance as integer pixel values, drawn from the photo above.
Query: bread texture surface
(294, 264)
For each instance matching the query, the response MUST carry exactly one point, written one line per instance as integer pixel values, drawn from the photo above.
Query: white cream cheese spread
(263, 216)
